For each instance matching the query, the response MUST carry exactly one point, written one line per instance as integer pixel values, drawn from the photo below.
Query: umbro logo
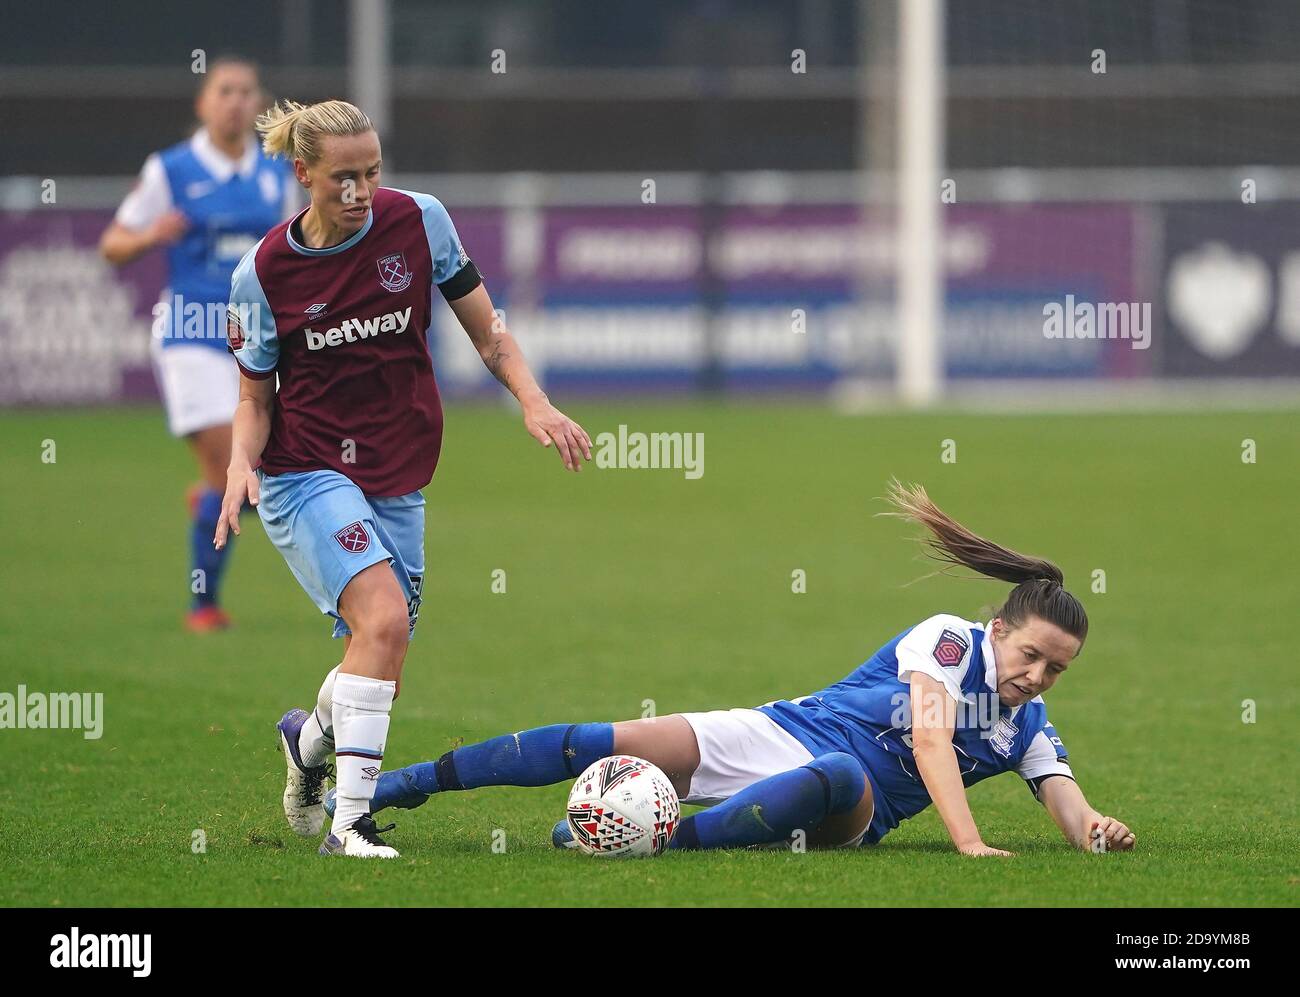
(316, 310)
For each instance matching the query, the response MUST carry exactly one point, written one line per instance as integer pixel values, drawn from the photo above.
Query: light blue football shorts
(328, 531)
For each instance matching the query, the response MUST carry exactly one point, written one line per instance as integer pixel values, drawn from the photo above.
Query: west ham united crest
(394, 274)
(353, 538)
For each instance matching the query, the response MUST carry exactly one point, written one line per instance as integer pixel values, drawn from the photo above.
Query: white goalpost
(920, 120)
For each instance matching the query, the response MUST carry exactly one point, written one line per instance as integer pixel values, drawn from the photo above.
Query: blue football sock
(537, 757)
(774, 808)
(203, 556)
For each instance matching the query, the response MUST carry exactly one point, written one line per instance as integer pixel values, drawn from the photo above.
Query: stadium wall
(747, 297)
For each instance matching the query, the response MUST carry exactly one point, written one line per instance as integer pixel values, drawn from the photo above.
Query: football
(623, 806)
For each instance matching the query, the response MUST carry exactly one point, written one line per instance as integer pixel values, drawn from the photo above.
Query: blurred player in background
(337, 304)
(205, 200)
(942, 706)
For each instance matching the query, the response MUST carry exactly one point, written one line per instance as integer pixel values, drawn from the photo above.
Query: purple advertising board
(791, 296)
(799, 296)
(73, 330)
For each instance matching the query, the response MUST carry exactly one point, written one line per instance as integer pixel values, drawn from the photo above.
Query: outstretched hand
(547, 424)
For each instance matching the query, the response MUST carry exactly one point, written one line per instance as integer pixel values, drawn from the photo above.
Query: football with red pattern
(623, 806)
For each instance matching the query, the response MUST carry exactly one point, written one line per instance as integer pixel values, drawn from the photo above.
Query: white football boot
(304, 788)
(360, 840)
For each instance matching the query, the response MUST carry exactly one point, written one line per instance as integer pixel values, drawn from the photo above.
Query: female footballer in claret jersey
(205, 200)
(336, 305)
(942, 706)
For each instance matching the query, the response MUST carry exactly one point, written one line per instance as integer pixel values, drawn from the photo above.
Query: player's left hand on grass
(1117, 837)
(548, 424)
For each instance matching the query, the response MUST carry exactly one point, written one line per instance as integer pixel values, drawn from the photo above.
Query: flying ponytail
(1039, 584)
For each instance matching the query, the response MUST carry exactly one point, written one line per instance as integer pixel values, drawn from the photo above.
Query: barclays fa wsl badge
(394, 274)
(951, 648)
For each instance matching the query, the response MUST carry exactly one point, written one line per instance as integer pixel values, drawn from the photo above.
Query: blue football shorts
(328, 531)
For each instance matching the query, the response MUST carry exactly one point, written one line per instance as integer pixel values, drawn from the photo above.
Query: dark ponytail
(1038, 582)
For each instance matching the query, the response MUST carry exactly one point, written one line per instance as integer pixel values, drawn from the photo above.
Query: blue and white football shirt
(868, 715)
(230, 205)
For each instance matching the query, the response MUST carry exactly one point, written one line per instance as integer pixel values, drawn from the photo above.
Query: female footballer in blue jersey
(205, 200)
(943, 705)
(339, 427)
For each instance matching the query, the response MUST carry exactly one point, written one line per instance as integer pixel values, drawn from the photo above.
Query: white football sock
(316, 739)
(361, 711)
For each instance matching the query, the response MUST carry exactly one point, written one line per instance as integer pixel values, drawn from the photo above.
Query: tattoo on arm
(496, 361)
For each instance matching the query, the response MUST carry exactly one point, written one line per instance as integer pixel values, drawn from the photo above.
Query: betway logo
(353, 329)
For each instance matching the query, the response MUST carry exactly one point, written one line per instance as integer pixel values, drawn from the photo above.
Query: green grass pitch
(628, 586)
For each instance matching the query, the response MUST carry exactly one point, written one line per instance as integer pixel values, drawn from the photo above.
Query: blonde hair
(295, 130)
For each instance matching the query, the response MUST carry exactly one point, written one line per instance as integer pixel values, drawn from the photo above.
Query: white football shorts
(199, 385)
(738, 748)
